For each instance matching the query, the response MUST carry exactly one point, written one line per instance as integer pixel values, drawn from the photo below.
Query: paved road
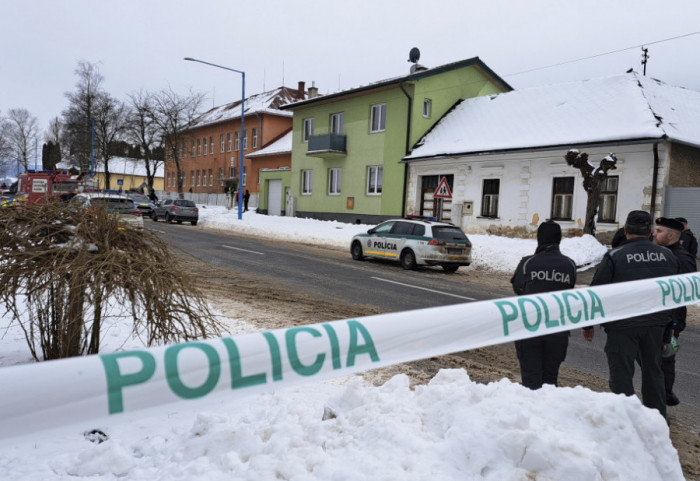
(332, 275)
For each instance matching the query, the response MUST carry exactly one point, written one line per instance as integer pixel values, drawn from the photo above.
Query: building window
(183, 149)
(334, 181)
(306, 178)
(204, 145)
(244, 174)
(223, 144)
(211, 144)
(236, 141)
(199, 147)
(562, 198)
(211, 177)
(607, 208)
(489, 198)
(193, 151)
(191, 178)
(232, 172)
(377, 121)
(245, 139)
(228, 142)
(374, 179)
(255, 138)
(337, 121)
(197, 184)
(221, 175)
(307, 129)
(427, 106)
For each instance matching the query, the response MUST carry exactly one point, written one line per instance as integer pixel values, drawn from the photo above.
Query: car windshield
(139, 198)
(449, 233)
(112, 203)
(184, 203)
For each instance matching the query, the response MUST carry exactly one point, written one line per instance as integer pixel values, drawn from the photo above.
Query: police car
(414, 242)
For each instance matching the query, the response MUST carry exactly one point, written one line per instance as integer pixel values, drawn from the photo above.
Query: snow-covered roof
(618, 108)
(264, 103)
(121, 165)
(283, 145)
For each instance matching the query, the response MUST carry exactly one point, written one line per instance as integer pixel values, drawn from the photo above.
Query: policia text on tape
(82, 390)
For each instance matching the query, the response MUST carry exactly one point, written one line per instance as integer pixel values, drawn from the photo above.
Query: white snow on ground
(450, 429)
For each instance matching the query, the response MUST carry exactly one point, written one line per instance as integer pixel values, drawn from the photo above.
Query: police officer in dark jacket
(637, 258)
(547, 270)
(688, 240)
(668, 234)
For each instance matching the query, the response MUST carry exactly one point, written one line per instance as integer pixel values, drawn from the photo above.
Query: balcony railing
(327, 146)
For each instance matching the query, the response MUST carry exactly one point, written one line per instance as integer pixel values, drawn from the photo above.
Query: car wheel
(356, 251)
(194, 222)
(154, 217)
(450, 267)
(168, 218)
(408, 259)
(179, 221)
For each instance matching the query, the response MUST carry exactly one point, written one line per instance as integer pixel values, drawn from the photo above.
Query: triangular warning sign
(443, 190)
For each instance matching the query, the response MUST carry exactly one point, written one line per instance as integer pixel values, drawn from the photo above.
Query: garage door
(274, 197)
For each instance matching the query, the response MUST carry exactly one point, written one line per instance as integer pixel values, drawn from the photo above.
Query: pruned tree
(593, 179)
(172, 114)
(142, 130)
(65, 271)
(22, 135)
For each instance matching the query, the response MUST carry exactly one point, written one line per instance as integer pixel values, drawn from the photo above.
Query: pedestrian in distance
(688, 239)
(639, 336)
(246, 196)
(544, 271)
(668, 234)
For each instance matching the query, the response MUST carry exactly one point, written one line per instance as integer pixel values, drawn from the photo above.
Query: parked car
(143, 203)
(176, 210)
(414, 242)
(118, 204)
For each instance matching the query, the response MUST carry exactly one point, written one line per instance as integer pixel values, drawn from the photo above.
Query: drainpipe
(408, 139)
(654, 178)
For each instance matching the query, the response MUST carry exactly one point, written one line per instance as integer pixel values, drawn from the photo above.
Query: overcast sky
(140, 44)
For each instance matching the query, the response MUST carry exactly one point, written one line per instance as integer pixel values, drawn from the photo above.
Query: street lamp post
(240, 162)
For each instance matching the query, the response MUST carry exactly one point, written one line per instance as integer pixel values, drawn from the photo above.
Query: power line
(602, 54)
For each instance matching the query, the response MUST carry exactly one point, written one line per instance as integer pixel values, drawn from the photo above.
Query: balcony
(327, 146)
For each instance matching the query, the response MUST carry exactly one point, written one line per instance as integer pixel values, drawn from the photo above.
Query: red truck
(43, 186)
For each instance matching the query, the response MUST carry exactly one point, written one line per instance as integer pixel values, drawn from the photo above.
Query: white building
(503, 156)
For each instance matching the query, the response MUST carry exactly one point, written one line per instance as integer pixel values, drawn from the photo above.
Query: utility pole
(645, 57)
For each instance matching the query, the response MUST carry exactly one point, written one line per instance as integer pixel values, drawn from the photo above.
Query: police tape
(82, 390)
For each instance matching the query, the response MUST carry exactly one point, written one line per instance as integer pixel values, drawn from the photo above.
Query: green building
(347, 146)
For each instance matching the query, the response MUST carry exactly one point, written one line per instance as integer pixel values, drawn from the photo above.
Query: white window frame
(194, 152)
(199, 147)
(335, 177)
(229, 141)
(191, 178)
(221, 176)
(337, 123)
(197, 184)
(307, 129)
(223, 144)
(236, 141)
(245, 139)
(211, 177)
(255, 139)
(204, 146)
(375, 174)
(377, 118)
(244, 175)
(307, 177)
(427, 108)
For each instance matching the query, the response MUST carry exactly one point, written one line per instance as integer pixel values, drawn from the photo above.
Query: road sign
(443, 190)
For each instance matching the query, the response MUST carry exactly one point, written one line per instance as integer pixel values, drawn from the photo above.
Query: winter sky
(338, 45)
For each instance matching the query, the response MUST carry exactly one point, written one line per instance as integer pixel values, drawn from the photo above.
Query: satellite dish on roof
(414, 55)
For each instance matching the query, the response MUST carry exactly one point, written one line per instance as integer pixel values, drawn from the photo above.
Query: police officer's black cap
(638, 217)
(674, 224)
(682, 219)
(548, 232)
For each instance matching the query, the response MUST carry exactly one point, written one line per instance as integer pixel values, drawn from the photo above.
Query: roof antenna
(645, 57)
(413, 57)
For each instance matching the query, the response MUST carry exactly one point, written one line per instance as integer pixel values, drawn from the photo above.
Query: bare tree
(4, 144)
(80, 114)
(172, 114)
(593, 179)
(110, 123)
(22, 136)
(51, 153)
(141, 130)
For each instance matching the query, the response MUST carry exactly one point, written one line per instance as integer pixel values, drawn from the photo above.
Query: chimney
(313, 90)
(301, 92)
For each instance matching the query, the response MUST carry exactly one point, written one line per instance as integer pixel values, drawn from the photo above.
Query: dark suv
(176, 210)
